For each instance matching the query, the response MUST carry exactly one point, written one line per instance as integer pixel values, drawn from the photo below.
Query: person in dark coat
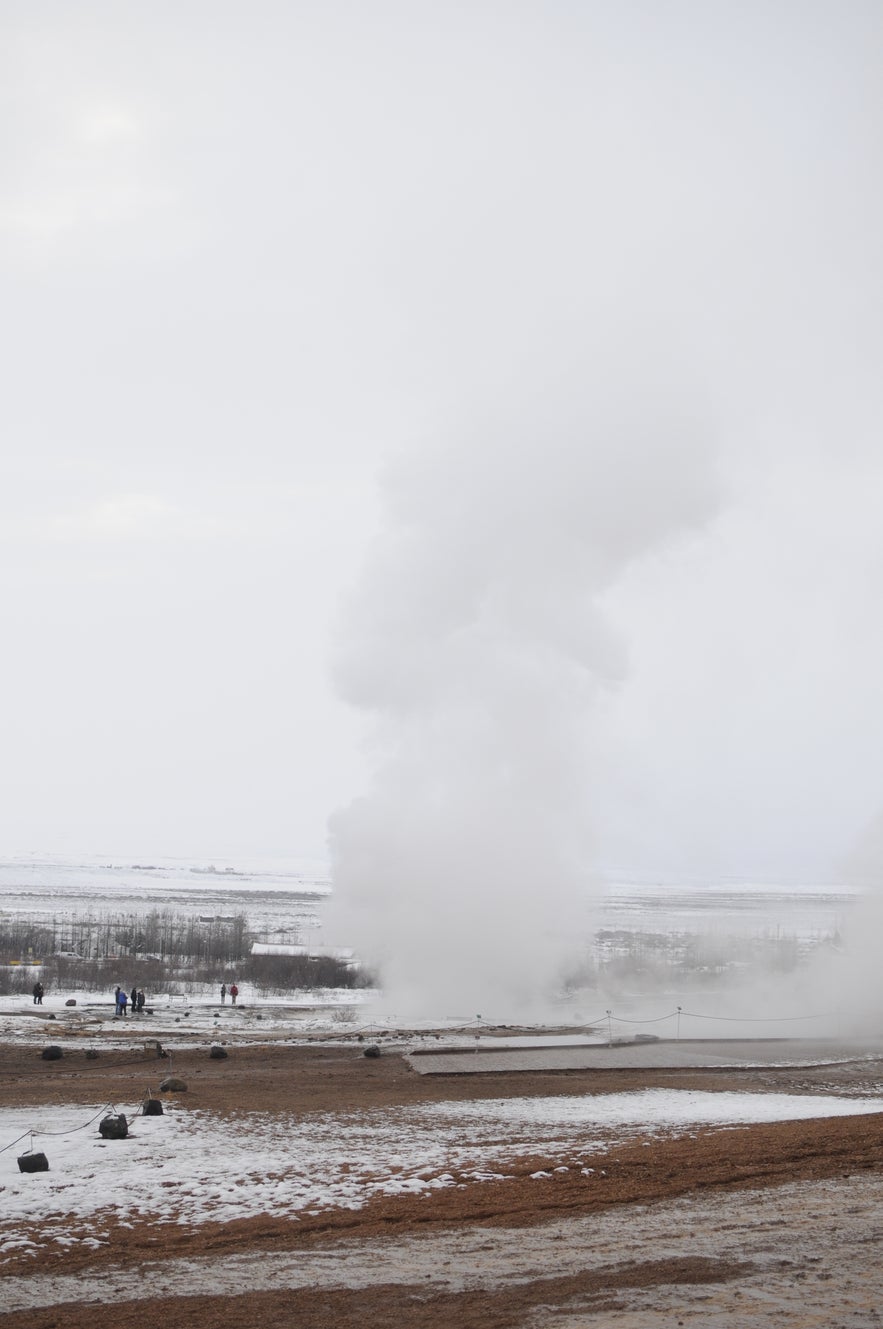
(38, 993)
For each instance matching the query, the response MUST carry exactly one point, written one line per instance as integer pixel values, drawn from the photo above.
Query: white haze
(595, 288)
(664, 327)
(477, 639)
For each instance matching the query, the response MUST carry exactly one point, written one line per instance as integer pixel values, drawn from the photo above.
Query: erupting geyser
(477, 643)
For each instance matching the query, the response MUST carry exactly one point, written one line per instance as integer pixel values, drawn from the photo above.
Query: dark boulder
(113, 1128)
(52, 1053)
(218, 1053)
(172, 1086)
(372, 1051)
(33, 1163)
(152, 1107)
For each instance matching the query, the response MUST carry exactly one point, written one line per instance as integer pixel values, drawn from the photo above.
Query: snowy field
(192, 1022)
(198, 1018)
(802, 909)
(189, 1166)
(285, 894)
(276, 895)
(352, 1016)
(284, 899)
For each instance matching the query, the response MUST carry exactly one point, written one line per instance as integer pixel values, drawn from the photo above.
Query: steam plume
(476, 642)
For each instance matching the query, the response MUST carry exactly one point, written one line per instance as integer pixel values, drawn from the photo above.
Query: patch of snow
(653, 1109)
(188, 1166)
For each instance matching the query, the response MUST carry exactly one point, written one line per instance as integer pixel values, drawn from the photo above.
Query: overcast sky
(280, 279)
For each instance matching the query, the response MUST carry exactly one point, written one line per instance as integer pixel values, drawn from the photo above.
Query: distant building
(344, 953)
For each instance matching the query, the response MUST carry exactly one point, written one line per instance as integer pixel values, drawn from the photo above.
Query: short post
(679, 1025)
(609, 1030)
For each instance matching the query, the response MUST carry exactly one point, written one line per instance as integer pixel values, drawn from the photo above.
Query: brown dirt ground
(307, 1079)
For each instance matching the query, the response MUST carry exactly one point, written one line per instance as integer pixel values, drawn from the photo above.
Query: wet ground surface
(662, 1054)
(777, 1223)
(799, 1254)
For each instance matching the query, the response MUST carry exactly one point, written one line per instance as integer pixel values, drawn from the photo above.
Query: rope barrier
(695, 1015)
(606, 1017)
(623, 1019)
(760, 1019)
(115, 1065)
(73, 1130)
(102, 1111)
(475, 1026)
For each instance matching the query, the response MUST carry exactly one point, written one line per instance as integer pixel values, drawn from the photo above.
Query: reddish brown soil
(319, 1078)
(404, 1304)
(313, 1079)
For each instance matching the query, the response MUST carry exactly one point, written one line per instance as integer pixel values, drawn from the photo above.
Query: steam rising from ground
(605, 192)
(476, 643)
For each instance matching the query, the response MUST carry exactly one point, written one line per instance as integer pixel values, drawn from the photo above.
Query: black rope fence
(32, 1132)
(482, 1024)
(758, 1019)
(103, 1111)
(696, 1015)
(475, 1027)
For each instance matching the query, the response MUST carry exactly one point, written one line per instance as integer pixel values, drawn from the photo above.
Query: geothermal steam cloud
(477, 644)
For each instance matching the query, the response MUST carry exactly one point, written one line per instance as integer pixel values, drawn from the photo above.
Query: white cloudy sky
(253, 255)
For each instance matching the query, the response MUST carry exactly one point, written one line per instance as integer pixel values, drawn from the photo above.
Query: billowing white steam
(476, 641)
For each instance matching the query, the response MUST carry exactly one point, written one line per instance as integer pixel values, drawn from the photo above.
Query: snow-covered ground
(282, 896)
(196, 1017)
(278, 896)
(188, 1166)
(188, 1020)
(283, 901)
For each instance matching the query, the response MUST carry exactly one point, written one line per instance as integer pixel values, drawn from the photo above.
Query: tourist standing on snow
(38, 993)
(122, 1001)
(223, 993)
(234, 993)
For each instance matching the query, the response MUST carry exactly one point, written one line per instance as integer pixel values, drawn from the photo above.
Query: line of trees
(163, 951)
(163, 934)
(630, 955)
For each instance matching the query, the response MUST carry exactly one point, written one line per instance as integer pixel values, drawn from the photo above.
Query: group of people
(38, 994)
(133, 1001)
(233, 990)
